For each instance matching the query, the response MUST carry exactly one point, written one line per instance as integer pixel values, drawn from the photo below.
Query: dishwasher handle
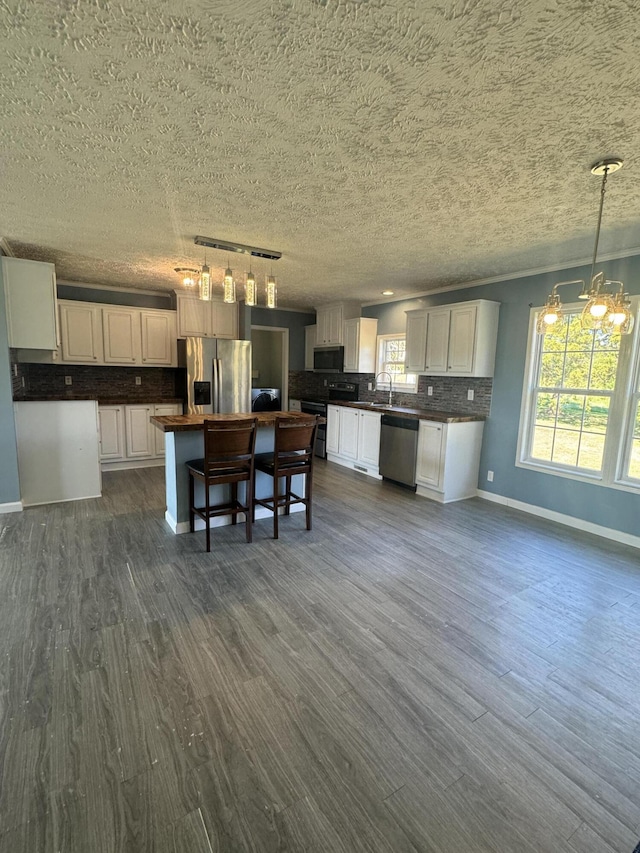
(400, 423)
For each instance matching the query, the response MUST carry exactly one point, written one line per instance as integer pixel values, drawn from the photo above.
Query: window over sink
(391, 359)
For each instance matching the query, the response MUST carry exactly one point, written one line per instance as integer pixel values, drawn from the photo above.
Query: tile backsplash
(449, 393)
(43, 379)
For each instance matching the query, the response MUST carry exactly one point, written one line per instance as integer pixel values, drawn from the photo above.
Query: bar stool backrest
(229, 443)
(294, 443)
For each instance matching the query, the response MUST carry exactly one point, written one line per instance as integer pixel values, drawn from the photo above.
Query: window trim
(620, 425)
(399, 388)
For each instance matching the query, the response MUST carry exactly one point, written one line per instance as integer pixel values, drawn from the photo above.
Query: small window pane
(542, 444)
(603, 370)
(591, 451)
(546, 409)
(565, 447)
(570, 408)
(576, 370)
(551, 369)
(596, 414)
(634, 465)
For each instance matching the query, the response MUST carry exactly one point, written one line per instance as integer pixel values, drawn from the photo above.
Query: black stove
(345, 391)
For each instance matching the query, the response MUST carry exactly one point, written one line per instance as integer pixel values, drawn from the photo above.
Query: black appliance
(337, 391)
(265, 400)
(328, 360)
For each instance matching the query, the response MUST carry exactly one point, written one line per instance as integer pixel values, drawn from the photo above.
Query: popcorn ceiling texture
(410, 144)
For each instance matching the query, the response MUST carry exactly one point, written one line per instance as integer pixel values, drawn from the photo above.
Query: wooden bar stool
(229, 455)
(293, 454)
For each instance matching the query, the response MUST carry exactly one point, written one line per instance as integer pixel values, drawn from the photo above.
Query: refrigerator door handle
(216, 385)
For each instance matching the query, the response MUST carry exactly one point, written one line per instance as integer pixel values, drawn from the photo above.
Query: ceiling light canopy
(189, 275)
(609, 311)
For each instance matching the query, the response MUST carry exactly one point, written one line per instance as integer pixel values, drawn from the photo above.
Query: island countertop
(192, 423)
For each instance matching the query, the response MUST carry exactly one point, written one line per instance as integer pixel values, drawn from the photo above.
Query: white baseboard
(561, 518)
(354, 466)
(13, 506)
(179, 527)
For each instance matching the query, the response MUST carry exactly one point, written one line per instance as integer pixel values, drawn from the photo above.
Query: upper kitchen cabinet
(158, 336)
(200, 319)
(121, 335)
(81, 332)
(330, 322)
(360, 345)
(30, 296)
(456, 340)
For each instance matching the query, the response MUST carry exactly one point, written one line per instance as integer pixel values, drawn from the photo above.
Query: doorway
(270, 360)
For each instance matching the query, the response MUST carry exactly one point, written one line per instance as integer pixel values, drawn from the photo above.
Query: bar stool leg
(207, 520)
(192, 517)
(234, 501)
(287, 506)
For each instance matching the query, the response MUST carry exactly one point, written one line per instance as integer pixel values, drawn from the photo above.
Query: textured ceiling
(375, 144)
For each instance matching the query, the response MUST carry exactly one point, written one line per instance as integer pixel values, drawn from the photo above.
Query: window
(578, 418)
(391, 356)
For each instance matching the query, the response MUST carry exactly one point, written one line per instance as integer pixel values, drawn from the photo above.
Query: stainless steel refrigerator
(218, 375)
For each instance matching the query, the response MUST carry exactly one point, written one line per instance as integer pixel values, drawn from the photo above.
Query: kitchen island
(184, 441)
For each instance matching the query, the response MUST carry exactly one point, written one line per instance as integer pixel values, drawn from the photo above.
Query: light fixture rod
(225, 246)
(602, 167)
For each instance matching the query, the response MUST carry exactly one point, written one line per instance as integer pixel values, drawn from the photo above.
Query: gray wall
(612, 508)
(266, 358)
(9, 482)
(292, 320)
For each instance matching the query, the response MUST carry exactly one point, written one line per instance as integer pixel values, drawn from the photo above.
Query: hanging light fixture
(205, 281)
(602, 310)
(229, 286)
(250, 290)
(271, 293)
(189, 276)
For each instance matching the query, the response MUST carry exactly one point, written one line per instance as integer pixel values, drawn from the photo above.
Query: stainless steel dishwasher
(398, 449)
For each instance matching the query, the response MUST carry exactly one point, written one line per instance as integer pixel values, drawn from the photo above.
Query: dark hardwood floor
(404, 677)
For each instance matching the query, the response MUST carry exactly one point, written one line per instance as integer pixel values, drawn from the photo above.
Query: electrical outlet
(325, 383)
(370, 386)
(470, 394)
(490, 476)
(138, 380)
(430, 391)
(15, 369)
(68, 380)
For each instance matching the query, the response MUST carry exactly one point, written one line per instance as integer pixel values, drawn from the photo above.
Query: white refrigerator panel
(58, 451)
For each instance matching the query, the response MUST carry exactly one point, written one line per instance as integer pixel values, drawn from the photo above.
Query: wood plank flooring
(405, 677)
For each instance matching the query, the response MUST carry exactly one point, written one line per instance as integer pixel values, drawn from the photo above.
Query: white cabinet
(448, 460)
(128, 439)
(158, 335)
(330, 321)
(360, 338)
(199, 319)
(353, 438)
(333, 429)
(81, 332)
(457, 340)
(30, 297)
(121, 335)
(348, 442)
(309, 344)
(111, 431)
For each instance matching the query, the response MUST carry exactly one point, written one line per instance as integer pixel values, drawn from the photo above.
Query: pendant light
(229, 285)
(189, 276)
(603, 310)
(250, 290)
(205, 281)
(271, 293)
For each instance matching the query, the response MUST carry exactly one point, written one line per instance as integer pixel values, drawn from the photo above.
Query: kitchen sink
(376, 405)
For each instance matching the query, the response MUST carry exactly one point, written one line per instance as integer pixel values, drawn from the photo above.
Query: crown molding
(495, 279)
(5, 248)
(114, 289)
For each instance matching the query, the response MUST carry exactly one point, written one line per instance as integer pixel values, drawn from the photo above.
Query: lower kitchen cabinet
(128, 439)
(353, 438)
(448, 460)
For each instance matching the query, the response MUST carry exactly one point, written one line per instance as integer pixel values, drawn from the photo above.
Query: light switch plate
(138, 380)
(68, 380)
(430, 391)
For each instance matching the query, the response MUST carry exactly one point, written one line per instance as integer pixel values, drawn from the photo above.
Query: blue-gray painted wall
(9, 482)
(611, 508)
(292, 320)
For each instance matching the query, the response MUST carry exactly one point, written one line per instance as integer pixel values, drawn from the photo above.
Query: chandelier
(202, 277)
(608, 310)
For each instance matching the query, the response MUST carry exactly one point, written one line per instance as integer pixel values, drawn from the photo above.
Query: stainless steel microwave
(328, 359)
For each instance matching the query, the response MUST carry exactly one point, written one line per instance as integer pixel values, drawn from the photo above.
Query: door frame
(284, 384)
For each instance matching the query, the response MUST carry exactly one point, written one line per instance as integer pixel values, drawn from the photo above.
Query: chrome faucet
(375, 382)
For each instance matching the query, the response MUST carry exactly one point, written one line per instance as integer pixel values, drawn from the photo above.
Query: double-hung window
(391, 358)
(579, 418)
